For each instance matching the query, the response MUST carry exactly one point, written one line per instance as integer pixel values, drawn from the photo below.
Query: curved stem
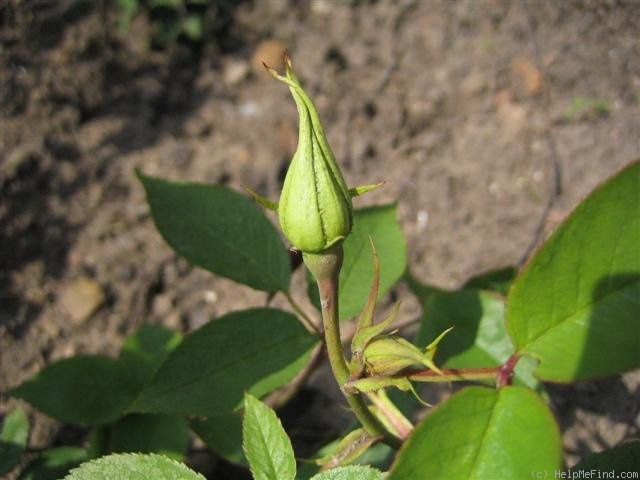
(328, 288)
(329, 302)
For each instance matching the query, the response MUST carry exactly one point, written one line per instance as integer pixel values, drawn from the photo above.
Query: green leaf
(623, 458)
(223, 435)
(143, 352)
(93, 390)
(130, 466)
(482, 433)
(479, 337)
(357, 268)
(349, 473)
(219, 230)
(266, 444)
(495, 280)
(255, 350)
(164, 434)
(99, 441)
(87, 390)
(576, 305)
(13, 438)
(54, 463)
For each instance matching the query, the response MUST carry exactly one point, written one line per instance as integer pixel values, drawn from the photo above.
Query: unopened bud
(315, 209)
(389, 354)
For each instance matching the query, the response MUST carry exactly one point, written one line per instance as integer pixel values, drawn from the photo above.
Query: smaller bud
(389, 354)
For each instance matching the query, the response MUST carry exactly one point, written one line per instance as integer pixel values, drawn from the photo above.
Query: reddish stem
(505, 373)
(452, 374)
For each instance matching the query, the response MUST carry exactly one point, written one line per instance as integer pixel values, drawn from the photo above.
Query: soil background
(488, 120)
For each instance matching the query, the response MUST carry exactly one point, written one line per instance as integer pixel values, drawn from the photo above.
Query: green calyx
(381, 355)
(389, 354)
(315, 209)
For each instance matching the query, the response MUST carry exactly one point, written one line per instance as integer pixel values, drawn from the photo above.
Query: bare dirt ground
(488, 120)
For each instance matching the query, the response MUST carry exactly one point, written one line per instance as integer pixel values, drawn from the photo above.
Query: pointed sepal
(362, 189)
(365, 335)
(265, 202)
(374, 384)
(389, 354)
(431, 349)
(365, 319)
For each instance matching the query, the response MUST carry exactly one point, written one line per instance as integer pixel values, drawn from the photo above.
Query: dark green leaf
(576, 305)
(421, 290)
(99, 441)
(357, 269)
(349, 473)
(223, 435)
(496, 280)
(13, 438)
(143, 352)
(207, 374)
(164, 434)
(54, 463)
(265, 443)
(479, 337)
(219, 230)
(87, 390)
(130, 466)
(482, 433)
(623, 458)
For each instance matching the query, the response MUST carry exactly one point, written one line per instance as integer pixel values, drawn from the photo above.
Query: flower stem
(329, 301)
(452, 374)
(399, 423)
(326, 270)
(302, 316)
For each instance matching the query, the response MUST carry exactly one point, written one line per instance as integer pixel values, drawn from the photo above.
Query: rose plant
(571, 313)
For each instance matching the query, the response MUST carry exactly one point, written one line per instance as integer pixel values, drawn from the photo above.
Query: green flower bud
(389, 354)
(315, 209)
